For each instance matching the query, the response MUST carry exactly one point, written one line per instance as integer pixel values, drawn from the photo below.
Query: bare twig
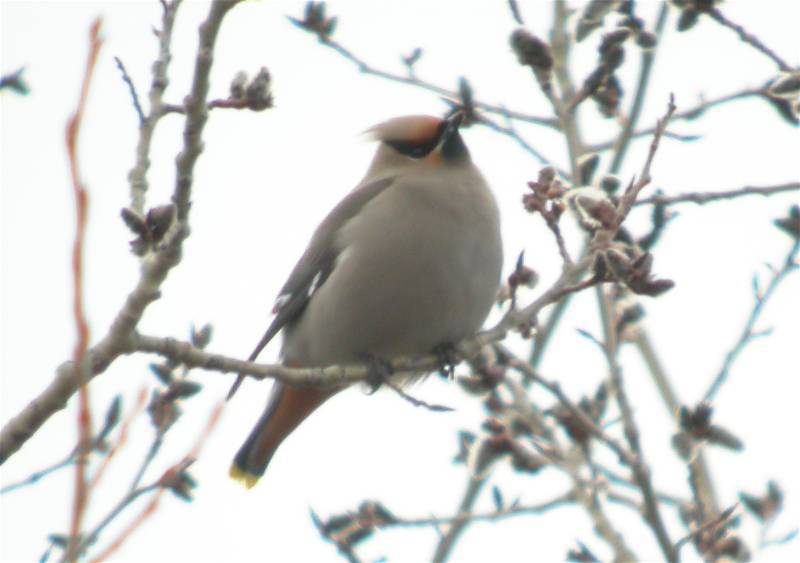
(706, 197)
(748, 334)
(121, 439)
(35, 477)
(124, 503)
(560, 41)
(629, 197)
(585, 492)
(578, 414)
(705, 493)
(413, 400)
(627, 482)
(718, 521)
(362, 66)
(82, 326)
(646, 66)
(546, 332)
(748, 38)
(514, 510)
(138, 175)
(688, 114)
(132, 88)
(510, 131)
(153, 272)
(641, 473)
(165, 483)
(449, 538)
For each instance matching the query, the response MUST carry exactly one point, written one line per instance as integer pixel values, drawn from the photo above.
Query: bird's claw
(378, 371)
(448, 357)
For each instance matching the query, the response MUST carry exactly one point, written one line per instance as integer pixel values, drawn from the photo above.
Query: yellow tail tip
(240, 476)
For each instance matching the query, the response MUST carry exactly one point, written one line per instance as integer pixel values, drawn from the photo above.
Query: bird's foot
(448, 357)
(378, 372)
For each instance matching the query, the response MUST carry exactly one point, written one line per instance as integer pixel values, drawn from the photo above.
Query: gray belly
(401, 287)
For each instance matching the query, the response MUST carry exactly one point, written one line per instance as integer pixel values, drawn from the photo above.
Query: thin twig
(545, 333)
(578, 414)
(164, 483)
(632, 192)
(706, 197)
(152, 452)
(35, 477)
(648, 59)
(132, 88)
(641, 473)
(121, 439)
(652, 512)
(706, 494)
(560, 41)
(585, 492)
(747, 335)
(138, 175)
(365, 68)
(720, 520)
(514, 510)
(748, 38)
(454, 531)
(688, 114)
(413, 400)
(124, 503)
(510, 131)
(82, 327)
(615, 477)
(153, 272)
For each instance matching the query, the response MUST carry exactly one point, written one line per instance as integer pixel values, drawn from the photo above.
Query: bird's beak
(453, 123)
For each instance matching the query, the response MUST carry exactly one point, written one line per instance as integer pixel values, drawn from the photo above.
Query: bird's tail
(288, 406)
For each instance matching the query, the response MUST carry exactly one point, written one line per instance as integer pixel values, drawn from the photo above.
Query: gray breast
(418, 267)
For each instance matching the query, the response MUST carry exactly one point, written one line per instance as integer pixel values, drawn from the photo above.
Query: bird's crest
(411, 128)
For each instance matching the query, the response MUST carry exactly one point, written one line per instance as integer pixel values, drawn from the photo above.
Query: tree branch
(748, 38)
(81, 324)
(688, 114)
(747, 335)
(648, 58)
(138, 175)
(706, 197)
(154, 269)
(365, 68)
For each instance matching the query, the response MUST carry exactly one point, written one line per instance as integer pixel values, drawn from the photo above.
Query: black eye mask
(415, 149)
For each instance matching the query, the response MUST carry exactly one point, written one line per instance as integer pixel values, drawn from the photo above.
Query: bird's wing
(315, 265)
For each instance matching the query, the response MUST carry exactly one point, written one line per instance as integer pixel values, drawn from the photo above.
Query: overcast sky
(264, 182)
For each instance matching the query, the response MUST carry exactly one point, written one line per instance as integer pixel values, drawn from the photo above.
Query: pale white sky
(261, 186)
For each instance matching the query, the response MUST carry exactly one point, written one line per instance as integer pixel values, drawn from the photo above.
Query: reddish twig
(148, 511)
(154, 271)
(210, 425)
(169, 480)
(82, 327)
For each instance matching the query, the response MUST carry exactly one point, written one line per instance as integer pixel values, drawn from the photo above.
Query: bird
(410, 260)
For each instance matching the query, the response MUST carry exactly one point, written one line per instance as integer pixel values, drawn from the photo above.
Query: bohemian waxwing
(408, 261)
